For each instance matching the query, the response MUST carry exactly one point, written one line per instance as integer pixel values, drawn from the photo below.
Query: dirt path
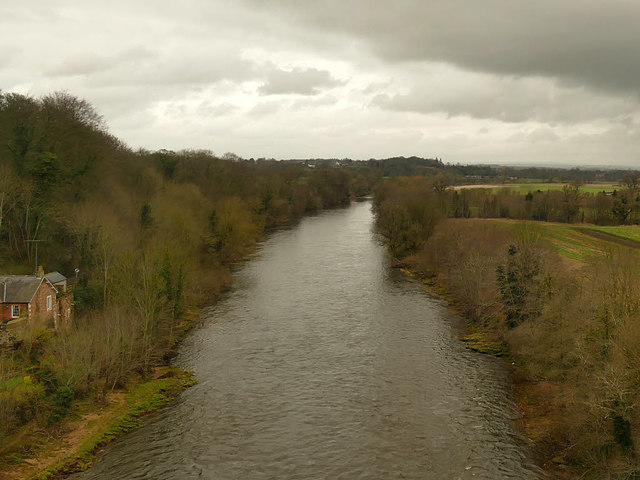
(609, 237)
(74, 447)
(75, 433)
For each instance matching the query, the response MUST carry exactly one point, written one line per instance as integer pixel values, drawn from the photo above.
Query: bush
(61, 403)
(20, 400)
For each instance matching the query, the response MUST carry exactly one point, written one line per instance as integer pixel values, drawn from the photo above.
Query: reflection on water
(326, 363)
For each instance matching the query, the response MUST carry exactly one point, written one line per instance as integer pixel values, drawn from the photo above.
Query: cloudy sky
(497, 81)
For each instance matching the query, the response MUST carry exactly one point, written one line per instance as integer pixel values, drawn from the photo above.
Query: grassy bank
(75, 444)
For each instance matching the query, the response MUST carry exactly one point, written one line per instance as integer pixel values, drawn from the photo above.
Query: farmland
(526, 187)
(576, 242)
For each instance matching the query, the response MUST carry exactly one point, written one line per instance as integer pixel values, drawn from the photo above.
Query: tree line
(570, 204)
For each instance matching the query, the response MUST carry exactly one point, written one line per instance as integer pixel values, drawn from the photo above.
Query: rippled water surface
(326, 363)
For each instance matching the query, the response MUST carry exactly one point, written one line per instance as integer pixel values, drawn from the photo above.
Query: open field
(577, 241)
(525, 187)
(574, 244)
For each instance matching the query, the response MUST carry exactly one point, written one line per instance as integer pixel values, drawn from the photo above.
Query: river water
(325, 363)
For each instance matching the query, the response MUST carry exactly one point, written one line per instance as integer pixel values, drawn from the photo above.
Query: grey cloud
(297, 81)
(81, 65)
(266, 108)
(175, 71)
(136, 54)
(584, 41)
(543, 135)
(210, 109)
(565, 74)
(90, 63)
(510, 100)
(314, 102)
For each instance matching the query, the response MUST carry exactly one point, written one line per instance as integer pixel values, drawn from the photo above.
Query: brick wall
(5, 311)
(38, 311)
(65, 310)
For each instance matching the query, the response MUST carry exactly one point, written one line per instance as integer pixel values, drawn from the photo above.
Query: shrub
(61, 403)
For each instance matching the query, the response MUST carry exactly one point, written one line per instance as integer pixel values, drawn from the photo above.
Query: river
(325, 363)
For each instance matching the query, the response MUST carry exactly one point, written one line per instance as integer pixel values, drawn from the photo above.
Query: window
(15, 311)
(49, 303)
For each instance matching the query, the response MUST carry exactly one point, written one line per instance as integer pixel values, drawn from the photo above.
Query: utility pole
(36, 242)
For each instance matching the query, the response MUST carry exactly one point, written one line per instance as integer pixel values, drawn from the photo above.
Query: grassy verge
(91, 428)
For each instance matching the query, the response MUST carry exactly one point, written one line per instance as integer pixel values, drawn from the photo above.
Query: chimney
(40, 271)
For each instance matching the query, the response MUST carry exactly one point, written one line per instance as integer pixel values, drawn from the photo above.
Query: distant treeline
(469, 174)
(570, 204)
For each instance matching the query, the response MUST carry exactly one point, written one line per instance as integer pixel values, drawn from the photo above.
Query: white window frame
(49, 303)
(14, 309)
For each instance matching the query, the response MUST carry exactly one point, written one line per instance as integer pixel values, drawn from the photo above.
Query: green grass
(570, 242)
(525, 187)
(568, 239)
(11, 383)
(589, 188)
(574, 241)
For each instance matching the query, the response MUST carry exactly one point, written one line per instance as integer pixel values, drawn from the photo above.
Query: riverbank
(37, 452)
(565, 317)
(536, 412)
(563, 302)
(76, 444)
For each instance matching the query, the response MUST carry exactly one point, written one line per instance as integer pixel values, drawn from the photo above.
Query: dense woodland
(153, 235)
(571, 329)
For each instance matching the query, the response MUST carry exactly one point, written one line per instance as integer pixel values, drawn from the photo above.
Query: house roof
(55, 277)
(19, 288)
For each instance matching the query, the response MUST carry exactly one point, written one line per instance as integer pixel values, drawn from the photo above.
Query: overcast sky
(497, 81)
